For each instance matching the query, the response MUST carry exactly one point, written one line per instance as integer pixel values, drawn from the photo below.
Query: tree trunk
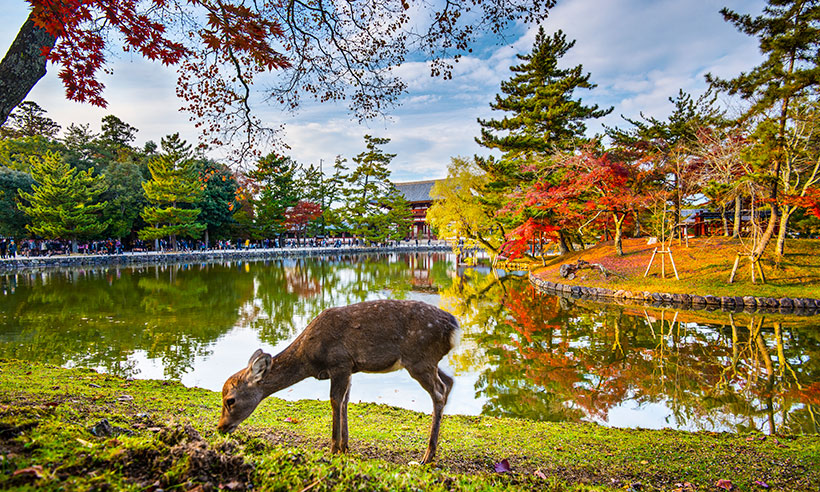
(780, 247)
(207, 241)
(769, 232)
(23, 66)
(619, 247)
(563, 245)
(738, 216)
(724, 219)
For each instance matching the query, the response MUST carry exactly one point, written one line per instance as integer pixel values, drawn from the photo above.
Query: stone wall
(786, 305)
(20, 264)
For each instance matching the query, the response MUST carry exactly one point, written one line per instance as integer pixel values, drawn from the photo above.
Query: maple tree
(300, 215)
(329, 51)
(575, 186)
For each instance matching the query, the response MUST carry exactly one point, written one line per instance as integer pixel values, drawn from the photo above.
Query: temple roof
(416, 191)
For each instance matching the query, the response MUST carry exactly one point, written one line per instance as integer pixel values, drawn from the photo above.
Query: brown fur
(374, 336)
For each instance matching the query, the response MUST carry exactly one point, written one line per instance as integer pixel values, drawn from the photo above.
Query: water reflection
(551, 358)
(523, 354)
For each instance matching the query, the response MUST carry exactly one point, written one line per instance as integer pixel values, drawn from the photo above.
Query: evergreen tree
(789, 37)
(541, 97)
(275, 178)
(29, 120)
(13, 221)
(370, 195)
(125, 196)
(334, 193)
(218, 202)
(62, 205)
(174, 186)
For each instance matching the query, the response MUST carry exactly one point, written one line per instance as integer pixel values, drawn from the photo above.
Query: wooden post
(672, 260)
(650, 262)
(734, 269)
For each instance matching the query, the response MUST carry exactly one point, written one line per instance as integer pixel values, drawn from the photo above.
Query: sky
(639, 53)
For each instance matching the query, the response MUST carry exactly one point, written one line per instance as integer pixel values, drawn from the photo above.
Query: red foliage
(298, 216)
(235, 36)
(578, 190)
(810, 201)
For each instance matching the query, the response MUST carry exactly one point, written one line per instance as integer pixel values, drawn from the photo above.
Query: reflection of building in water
(417, 194)
(420, 266)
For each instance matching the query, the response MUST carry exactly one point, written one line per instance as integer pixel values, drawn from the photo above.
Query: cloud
(639, 52)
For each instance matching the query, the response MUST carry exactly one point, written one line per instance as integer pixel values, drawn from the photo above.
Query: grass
(704, 267)
(162, 435)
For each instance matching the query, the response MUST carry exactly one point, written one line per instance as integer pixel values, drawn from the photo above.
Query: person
(2, 248)
(12, 249)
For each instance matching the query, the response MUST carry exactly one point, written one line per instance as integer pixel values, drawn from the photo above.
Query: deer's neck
(287, 368)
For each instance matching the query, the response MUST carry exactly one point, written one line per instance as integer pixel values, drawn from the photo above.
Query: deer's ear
(258, 367)
(254, 356)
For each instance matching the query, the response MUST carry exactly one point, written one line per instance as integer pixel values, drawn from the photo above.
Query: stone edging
(35, 263)
(785, 305)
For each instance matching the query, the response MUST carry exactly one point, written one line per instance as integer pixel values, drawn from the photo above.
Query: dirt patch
(182, 457)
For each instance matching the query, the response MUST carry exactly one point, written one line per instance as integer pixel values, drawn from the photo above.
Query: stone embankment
(785, 305)
(9, 265)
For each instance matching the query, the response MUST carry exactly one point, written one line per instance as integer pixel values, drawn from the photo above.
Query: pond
(523, 353)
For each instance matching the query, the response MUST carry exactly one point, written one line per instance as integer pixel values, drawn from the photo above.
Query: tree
(326, 51)
(456, 212)
(546, 113)
(174, 184)
(370, 194)
(125, 197)
(670, 145)
(63, 202)
(274, 181)
(13, 221)
(334, 193)
(789, 37)
(300, 215)
(218, 202)
(29, 120)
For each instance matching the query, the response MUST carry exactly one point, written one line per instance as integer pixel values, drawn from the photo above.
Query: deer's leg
(431, 380)
(448, 383)
(339, 394)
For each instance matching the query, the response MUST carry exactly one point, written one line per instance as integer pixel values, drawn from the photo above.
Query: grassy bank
(703, 267)
(161, 436)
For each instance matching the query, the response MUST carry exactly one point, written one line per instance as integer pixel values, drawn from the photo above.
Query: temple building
(417, 194)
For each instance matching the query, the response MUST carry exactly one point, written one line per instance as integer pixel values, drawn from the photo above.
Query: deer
(374, 336)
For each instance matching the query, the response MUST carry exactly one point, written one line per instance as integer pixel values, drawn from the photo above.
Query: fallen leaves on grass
(502, 466)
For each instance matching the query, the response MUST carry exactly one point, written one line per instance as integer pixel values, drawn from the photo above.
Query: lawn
(703, 266)
(75, 429)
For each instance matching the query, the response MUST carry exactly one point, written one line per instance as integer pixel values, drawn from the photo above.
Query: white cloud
(639, 52)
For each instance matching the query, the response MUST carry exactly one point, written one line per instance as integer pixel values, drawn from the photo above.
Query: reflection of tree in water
(101, 318)
(548, 362)
(292, 292)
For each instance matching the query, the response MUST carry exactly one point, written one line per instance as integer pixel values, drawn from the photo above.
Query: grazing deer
(374, 336)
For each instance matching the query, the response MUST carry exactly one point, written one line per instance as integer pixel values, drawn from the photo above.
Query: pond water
(523, 354)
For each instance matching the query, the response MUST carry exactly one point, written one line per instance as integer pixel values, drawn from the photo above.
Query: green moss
(164, 436)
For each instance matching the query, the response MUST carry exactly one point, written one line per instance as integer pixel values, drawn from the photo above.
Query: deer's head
(243, 391)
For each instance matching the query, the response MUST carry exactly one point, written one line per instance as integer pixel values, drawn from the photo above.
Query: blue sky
(639, 52)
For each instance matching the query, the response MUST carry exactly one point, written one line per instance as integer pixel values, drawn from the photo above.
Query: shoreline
(731, 304)
(22, 264)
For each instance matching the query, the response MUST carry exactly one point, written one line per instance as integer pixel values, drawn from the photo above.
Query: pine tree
(62, 204)
(29, 120)
(789, 37)
(370, 195)
(541, 97)
(174, 186)
(275, 178)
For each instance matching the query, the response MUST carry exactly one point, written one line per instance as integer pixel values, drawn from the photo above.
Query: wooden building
(417, 194)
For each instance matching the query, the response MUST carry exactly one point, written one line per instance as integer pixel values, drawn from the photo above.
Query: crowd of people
(9, 248)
